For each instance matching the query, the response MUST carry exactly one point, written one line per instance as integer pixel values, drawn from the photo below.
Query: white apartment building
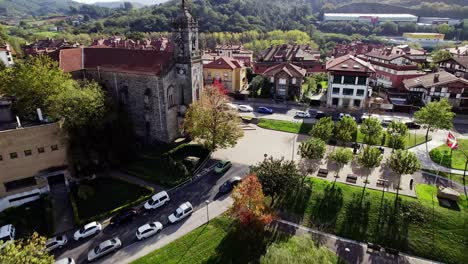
(5, 55)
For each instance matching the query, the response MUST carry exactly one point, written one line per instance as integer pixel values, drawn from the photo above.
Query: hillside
(34, 7)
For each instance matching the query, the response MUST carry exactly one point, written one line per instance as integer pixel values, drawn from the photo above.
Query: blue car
(265, 110)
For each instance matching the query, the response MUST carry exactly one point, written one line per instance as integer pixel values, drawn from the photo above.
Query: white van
(157, 200)
(7, 234)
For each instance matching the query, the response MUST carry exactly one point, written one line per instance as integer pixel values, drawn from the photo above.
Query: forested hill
(220, 15)
(34, 7)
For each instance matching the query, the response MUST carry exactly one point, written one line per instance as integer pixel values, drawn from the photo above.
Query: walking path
(62, 210)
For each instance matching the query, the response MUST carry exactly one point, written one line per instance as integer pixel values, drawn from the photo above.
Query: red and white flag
(452, 141)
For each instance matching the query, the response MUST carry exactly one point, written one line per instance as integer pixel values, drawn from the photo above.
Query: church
(154, 86)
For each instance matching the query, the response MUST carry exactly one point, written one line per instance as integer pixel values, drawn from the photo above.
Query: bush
(85, 192)
(441, 157)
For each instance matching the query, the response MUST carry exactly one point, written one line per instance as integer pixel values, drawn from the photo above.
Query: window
(362, 80)
(337, 79)
(357, 103)
(281, 91)
(293, 81)
(438, 89)
(54, 147)
(124, 95)
(13, 155)
(347, 91)
(335, 101)
(146, 99)
(336, 90)
(28, 152)
(453, 95)
(18, 184)
(40, 150)
(209, 75)
(1, 157)
(282, 81)
(349, 80)
(272, 79)
(170, 96)
(360, 92)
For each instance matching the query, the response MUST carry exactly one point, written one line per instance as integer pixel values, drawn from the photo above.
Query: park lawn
(285, 126)
(370, 216)
(411, 140)
(451, 176)
(108, 195)
(458, 158)
(35, 216)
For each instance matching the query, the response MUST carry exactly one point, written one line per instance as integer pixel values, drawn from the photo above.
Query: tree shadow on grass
(326, 209)
(293, 207)
(356, 218)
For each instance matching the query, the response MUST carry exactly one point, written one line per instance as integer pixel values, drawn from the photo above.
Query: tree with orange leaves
(249, 206)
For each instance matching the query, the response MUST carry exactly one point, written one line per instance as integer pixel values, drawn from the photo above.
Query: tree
(323, 129)
(345, 129)
(26, 251)
(341, 157)
(313, 148)
(128, 6)
(370, 158)
(372, 130)
(403, 162)
(440, 55)
(249, 203)
(389, 28)
(279, 177)
(435, 115)
(396, 132)
(39, 83)
(208, 120)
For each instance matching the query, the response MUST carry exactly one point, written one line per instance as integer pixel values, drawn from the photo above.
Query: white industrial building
(5, 55)
(369, 18)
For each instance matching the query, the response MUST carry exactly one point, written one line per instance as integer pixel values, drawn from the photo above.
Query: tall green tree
(209, 121)
(396, 132)
(403, 162)
(440, 55)
(313, 148)
(279, 177)
(26, 251)
(372, 130)
(341, 157)
(323, 129)
(370, 158)
(345, 129)
(435, 115)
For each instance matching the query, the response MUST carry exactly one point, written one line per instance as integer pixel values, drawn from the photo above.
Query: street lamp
(207, 202)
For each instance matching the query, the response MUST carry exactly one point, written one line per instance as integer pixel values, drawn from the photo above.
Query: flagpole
(450, 162)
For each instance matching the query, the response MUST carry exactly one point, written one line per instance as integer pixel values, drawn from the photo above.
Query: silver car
(104, 248)
(56, 242)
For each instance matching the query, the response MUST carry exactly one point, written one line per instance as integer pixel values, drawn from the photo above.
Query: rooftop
(429, 80)
(369, 15)
(349, 63)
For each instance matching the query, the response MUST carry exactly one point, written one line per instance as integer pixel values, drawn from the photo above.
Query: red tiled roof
(291, 69)
(223, 63)
(349, 63)
(429, 80)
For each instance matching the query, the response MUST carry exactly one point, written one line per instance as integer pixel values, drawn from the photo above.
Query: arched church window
(123, 95)
(147, 98)
(194, 43)
(170, 96)
(197, 92)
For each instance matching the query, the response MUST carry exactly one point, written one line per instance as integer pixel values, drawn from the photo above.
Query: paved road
(197, 192)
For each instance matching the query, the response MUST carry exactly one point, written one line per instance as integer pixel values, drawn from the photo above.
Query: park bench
(392, 251)
(373, 247)
(352, 178)
(382, 183)
(322, 173)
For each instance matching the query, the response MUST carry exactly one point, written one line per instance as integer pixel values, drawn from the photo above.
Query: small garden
(170, 167)
(102, 197)
(441, 155)
(220, 241)
(410, 140)
(35, 216)
(417, 226)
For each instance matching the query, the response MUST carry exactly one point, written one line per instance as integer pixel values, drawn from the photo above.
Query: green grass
(108, 194)
(285, 126)
(411, 140)
(458, 158)
(452, 176)
(30, 217)
(414, 226)
(221, 241)
(45, 34)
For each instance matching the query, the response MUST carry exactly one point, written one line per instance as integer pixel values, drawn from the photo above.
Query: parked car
(245, 108)
(181, 212)
(123, 217)
(302, 114)
(264, 110)
(412, 125)
(148, 230)
(104, 248)
(87, 230)
(56, 242)
(229, 185)
(222, 166)
(320, 114)
(65, 261)
(7, 234)
(157, 200)
(386, 121)
(342, 115)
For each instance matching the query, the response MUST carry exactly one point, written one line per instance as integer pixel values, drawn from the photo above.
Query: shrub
(85, 192)
(441, 157)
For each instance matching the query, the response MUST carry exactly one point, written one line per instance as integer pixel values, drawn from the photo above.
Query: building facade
(231, 73)
(6, 57)
(456, 65)
(348, 82)
(286, 80)
(155, 87)
(434, 86)
(369, 18)
(302, 56)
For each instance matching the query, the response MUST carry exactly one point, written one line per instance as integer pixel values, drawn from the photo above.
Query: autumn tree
(435, 115)
(279, 177)
(26, 251)
(341, 157)
(370, 158)
(372, 130)
(396, 132)
(323, 129)
(345, 129)
(403, 162)
(249, 203)
(209, 121)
